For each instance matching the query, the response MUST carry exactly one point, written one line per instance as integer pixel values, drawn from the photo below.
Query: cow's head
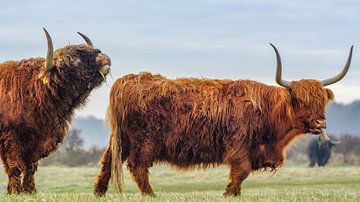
(309, 98)
(77, 68)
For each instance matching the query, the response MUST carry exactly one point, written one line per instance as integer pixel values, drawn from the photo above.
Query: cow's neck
(285, 122)
(62, 104)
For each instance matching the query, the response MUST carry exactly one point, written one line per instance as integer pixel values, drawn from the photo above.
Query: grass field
(290, 183)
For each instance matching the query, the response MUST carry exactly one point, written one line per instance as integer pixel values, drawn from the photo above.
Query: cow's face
(82, 64)
(309, 99)
(77, 68)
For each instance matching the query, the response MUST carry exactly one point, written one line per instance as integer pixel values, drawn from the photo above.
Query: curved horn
(50, 52)
(340, 75)
(88, 41)
(278, 78)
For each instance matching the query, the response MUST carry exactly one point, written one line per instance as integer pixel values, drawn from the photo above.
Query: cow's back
(20, 87)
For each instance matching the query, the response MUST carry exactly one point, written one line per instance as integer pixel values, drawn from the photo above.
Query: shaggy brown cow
(201, 122)
(38, 97)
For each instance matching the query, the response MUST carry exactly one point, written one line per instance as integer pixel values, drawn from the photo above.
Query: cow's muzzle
(319, 129)
(104, 63)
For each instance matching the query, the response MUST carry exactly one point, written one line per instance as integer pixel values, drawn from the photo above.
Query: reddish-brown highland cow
(191, 123)
(38, 97)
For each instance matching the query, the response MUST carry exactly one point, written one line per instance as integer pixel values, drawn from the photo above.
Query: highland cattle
(38, 97)
(189, 123)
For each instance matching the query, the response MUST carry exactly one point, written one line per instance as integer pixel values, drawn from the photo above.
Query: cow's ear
(330, 94)
(44, 77)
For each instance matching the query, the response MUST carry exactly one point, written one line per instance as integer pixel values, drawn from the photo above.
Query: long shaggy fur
(37, 107)
(192, 123)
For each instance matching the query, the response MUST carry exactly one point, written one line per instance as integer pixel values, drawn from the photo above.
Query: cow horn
(278, 78)
(88, 41)
(50, 52)
(340, 75)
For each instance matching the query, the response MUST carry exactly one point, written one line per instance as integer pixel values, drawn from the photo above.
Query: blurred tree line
(348, 149)
(72, 152)
(347, 152)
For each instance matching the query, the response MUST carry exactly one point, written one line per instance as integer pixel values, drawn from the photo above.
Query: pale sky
(194, 38)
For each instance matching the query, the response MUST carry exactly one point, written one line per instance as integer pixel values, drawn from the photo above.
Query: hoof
(151, 194)
(99, 193)
(29, 192)
(231, 194)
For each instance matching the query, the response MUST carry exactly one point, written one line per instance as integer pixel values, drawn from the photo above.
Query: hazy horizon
(199, 38)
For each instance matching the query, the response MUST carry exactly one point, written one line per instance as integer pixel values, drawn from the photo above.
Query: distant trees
(72, 153)
(73, 142)
(349, 149)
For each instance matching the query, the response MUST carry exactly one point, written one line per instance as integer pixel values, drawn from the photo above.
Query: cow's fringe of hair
(189, 167)
(117, 176)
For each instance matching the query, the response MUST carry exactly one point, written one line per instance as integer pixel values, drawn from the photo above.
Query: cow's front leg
(13, 170)
(13, 164)
(238, 173)
(28, 181)
(14, 181)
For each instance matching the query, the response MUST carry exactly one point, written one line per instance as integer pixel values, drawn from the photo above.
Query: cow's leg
(102, 180)
(28, 181)
(238, 173)
(141, 177)
(313, 161)
(141, 157)
(14, 181)
(321, 162)
(10, 155)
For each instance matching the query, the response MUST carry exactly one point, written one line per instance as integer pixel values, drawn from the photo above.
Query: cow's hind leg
(102, 180)
(28, 181)
(140, 175)
(141, 158)
(238, 173)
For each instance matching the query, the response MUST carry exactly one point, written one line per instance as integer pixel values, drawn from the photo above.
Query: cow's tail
(117, 177)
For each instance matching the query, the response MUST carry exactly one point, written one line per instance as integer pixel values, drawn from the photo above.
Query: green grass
(290, 183)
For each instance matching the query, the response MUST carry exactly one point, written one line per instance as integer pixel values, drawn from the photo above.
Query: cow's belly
(266, 156)
(187, 153)
(41, 148)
